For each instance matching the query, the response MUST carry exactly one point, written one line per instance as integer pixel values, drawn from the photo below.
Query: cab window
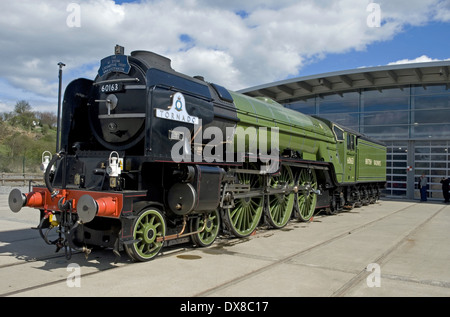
(350, 142)
(338, 133)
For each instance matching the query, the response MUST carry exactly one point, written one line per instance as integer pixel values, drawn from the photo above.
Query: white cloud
(233, 43)
(198, 61)
(4, 107)
(442, 11)
(10, 95)
(420, 59)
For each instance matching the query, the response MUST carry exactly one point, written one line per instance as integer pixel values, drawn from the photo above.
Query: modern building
(405, 106)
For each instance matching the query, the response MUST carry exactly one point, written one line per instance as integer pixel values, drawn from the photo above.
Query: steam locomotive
(151, 157)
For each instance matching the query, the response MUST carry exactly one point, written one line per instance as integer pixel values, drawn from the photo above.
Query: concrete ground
(389, 249)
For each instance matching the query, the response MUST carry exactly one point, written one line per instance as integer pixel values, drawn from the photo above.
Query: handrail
(16, 177)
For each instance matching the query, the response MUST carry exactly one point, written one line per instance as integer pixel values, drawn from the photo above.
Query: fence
(25, 179)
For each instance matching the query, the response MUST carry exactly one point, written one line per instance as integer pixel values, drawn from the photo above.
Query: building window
(431, 158)
(396, 168)
(307, 106)
(385, 113)
(430, 111)
(342, 109)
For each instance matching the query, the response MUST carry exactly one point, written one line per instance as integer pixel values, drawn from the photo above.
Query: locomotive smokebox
(199, 194)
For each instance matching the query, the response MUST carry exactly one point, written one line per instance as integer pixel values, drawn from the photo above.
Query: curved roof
(350, 80)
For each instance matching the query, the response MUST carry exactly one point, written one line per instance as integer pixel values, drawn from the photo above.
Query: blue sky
(413, 42)
(235, 43)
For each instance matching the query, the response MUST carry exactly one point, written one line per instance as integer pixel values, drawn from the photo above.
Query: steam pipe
(48, 184)
(180, 234)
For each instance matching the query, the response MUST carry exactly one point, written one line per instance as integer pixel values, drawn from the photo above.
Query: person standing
(423, 184)
(445, 188)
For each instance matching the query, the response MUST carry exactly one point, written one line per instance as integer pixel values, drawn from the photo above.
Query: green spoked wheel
(147, 228)
(306, 195)
(280, 205)
(244, 217)
(211, 224)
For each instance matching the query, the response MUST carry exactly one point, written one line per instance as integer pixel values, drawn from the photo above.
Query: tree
(46, 118)
(25, 135)
(22, 107)
(23, 116)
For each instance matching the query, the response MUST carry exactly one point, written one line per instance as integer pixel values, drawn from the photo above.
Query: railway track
(256, 259)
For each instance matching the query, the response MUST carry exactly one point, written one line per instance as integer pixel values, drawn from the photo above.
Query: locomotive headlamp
(119, 50)
(115, 164)
(46, 161)
(114, 169)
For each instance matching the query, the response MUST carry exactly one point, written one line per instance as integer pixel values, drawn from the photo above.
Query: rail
(25, 179)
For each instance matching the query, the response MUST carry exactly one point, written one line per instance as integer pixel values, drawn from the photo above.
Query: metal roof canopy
(380, 78)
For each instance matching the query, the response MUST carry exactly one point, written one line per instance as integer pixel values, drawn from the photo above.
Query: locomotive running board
(248, 171)
(309, 165)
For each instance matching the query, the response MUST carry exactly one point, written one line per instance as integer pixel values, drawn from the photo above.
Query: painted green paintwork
(297, 131)
(313, 138)
(371, 161)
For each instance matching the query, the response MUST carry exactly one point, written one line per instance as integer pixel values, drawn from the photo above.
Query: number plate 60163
(107, 88)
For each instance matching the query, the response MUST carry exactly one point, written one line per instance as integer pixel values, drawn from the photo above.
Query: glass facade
(397, 168)
(432, 159)
(413, 121)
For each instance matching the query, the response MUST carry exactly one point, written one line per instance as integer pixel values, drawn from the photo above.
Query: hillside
(24, 136)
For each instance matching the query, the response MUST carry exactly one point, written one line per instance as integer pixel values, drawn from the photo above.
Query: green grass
(21, 149)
